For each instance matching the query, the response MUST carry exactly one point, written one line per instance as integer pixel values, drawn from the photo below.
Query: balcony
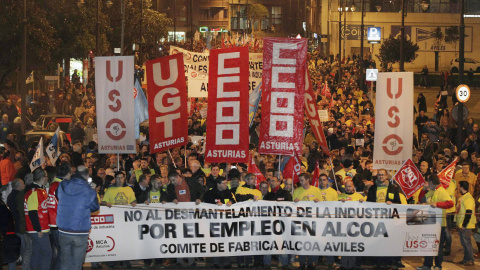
(212, 3)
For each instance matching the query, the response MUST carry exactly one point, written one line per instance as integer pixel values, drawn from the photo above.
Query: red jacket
(36, 200)
(53, 202)
(7, 171)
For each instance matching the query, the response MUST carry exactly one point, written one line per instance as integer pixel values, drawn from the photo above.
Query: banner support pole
(279, 160)
(333, 173)
(173, 161)
(118, 162)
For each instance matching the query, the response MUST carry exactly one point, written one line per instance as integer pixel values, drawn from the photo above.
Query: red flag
(167, 108)
(281, 129)
(312, 113)
(316, 175)
(331, 103)
(227, 117)
(409, 178)
(446, 175)
(252, 168)
(326, 91)
(292, 168)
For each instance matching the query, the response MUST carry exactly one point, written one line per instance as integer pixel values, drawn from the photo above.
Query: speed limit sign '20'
(463, 93)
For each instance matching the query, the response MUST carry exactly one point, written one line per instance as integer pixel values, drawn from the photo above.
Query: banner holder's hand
(197, 201)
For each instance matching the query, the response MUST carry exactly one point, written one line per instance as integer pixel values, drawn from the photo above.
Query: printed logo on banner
(90, 245)
(421, 242)
(107, 244)
(102, 219)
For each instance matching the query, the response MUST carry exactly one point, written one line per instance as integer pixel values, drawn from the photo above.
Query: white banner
(114, 93)
(198, 86)
(255, 70)
(196, 70)
(263, 227)
(393, 120)
(193, 61)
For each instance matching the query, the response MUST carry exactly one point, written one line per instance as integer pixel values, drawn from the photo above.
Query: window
(204, 14)
(276, 14)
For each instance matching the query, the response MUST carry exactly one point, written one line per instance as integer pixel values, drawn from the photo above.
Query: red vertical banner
(167, 106)
(227, 115)
(312, 113)
(281, 131)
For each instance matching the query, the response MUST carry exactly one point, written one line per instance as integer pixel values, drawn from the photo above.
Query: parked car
(35, 135)
(64, 121)
(470, 63)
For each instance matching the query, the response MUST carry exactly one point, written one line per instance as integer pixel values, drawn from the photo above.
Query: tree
(438, 36)
(41, 41)
(452, 35)
(390, 51)
(256, 12)
(152, 25)
(76, 28)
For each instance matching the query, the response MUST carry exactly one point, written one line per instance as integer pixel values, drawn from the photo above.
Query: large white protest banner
(393, 120)
(263, 227)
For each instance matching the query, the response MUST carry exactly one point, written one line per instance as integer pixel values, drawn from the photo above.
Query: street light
(339, 40)
(461, 63)
(23, 76)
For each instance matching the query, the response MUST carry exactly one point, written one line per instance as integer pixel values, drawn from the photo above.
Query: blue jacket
(76, 200)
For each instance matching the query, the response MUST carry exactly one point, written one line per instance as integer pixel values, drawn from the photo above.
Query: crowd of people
(51, 237)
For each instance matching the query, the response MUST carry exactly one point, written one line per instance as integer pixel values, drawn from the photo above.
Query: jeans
(222, 261)
(25, 256)
(283, 259)
(466, 241)
(448, 234)
(26, 251)
(438, 259)
(55, 249)
(41, 251)
(73, 249)
(424, 80)
(302, 259)
(348, 262)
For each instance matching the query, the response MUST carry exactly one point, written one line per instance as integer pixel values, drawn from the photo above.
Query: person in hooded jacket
(76, 201)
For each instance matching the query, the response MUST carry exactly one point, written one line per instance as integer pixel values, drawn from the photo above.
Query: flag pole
(173, 161)
(185, 154)
(293, 173)
(118, 162)
(333, 173)
(279, 160)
